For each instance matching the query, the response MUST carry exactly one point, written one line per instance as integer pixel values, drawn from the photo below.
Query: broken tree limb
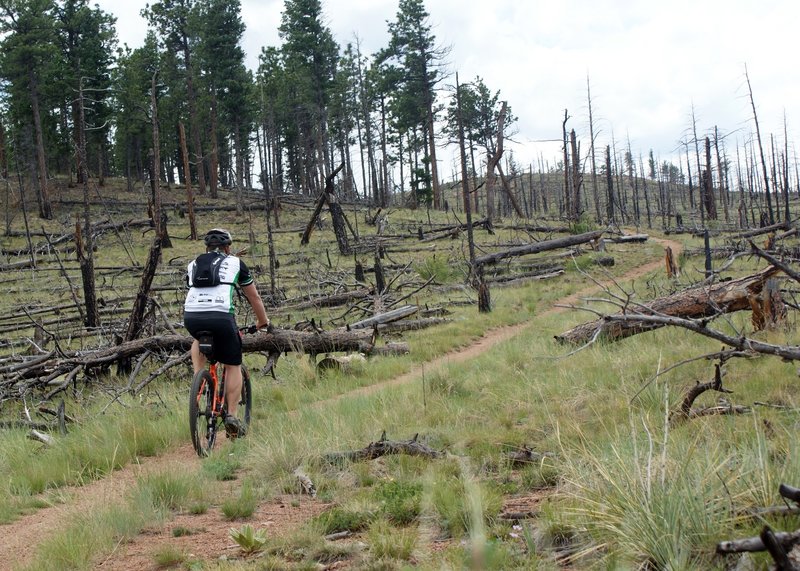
(755, 544)
(700, 388)
(384, 447)
(455, 230)
(697, 302)
(536, 247)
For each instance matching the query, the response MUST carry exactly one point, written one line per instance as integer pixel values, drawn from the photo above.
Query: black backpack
(206, 270)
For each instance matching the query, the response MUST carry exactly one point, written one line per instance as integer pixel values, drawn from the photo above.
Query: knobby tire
(202, 428)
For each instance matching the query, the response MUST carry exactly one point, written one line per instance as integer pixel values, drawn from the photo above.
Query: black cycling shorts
(227, 341)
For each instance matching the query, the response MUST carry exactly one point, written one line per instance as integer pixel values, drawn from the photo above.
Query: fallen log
(536, 247)
(765, 230)
(454, 230)
(635, 238)
(387, 317)
(697, 302)
(384, 447)
(276, 341)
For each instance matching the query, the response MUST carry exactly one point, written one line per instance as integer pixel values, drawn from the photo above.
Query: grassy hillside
(610, 480)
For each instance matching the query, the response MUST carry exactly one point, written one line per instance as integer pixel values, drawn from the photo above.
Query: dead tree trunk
(610, 186)
(760, 150)
(336, 212)
(694, 303)
(187, 181)
(708, 183)
(475, 275)
(577, 176)
(85, 252)
(87, 274)
(159, 217)
(140, 304)
(567, 194)
(769, 311)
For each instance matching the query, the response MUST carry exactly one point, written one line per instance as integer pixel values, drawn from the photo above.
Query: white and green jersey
(232, 272)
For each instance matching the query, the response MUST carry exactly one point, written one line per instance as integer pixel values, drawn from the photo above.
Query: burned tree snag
(336, 214)
(87, 274)
(577, 176)
(135, 321)
(159, 218)
(187, 181)
(85, 251)
(672, 267)
(769, 311)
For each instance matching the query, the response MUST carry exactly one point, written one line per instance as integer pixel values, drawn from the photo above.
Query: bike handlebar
(253, 328)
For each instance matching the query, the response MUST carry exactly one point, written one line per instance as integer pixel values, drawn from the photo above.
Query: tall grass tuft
(657, 509)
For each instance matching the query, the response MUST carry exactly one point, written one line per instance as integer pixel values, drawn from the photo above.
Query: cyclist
(212, 278)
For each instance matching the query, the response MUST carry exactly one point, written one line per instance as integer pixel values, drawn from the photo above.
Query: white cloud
(649, 62)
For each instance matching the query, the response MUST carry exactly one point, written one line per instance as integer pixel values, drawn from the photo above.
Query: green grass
(243, 505)
(621, 488)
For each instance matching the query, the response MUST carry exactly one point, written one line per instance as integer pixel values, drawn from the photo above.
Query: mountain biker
(209, 307)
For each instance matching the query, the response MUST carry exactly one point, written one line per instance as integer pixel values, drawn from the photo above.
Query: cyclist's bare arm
(251, 293)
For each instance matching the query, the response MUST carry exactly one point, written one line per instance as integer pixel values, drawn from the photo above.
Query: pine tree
(29, 60)
(176, 22)
(227, 84)
(310, 57)
(131, 82)
(413, 60)
(87, 39)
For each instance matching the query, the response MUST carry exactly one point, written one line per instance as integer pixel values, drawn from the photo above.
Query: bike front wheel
(202, 420)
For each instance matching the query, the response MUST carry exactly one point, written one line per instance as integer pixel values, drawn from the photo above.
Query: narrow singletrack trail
(20, 538)
(497, 335)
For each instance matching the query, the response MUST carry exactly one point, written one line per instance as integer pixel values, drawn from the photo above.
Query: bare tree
(595, 192)
(760, 149)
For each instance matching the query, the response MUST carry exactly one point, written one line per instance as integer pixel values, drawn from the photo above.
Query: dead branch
(699, 388)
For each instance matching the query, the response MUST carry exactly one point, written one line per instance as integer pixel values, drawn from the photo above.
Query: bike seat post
(206, 342)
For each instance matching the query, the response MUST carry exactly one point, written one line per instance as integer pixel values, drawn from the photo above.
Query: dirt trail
(210, 531)
(497, 335)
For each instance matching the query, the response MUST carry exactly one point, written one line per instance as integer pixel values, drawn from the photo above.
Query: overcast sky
(648, 61)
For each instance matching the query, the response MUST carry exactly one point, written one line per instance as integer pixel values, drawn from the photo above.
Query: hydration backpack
(206, 270)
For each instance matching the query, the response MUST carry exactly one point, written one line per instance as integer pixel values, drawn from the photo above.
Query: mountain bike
(207, 398)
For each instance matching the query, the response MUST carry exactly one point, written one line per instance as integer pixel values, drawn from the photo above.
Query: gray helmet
(217, 237)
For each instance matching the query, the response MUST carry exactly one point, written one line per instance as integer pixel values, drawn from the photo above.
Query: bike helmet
(217, 237)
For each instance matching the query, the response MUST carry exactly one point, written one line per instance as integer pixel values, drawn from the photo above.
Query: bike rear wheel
(202, 421)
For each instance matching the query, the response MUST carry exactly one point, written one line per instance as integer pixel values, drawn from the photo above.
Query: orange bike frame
(219, 399)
